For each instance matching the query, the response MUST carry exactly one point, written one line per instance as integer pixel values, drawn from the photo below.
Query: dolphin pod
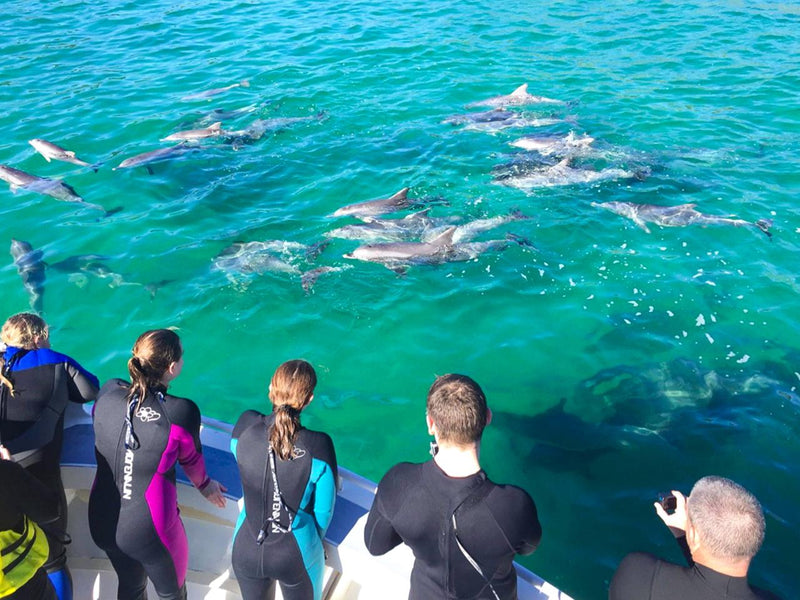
(680, 215)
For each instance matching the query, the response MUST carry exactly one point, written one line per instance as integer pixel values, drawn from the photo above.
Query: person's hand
(5, 454)
(213, 493)
(676, 521)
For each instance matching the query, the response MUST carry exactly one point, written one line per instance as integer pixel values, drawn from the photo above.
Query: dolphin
(519, 97)
(256, 130)
(146, 158)
(562, 173)
(55, 188)
(371, 208)
(374, 229)
(680, 215)
(214, 92)
(51, 151)
(31, 269)
(498, 119)
(220, 114)
(213, 130)
(553, 145)
(472, 229)
(401, 254)
(262, 256)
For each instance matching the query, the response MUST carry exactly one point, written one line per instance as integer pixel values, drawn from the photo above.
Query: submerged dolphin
(562, 173)
(213, 130)
(31, 269)
(470, 230)
(53, 152)
(146, 158)
(553, 145)
(215, 91)
(494, 121)
(374, 229)
(371, 208)
(55, 188)
(676, 216)
(256, 130)
(519, 97)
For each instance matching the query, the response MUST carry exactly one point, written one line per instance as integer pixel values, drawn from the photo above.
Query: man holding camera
(464, 529)
(720, 528)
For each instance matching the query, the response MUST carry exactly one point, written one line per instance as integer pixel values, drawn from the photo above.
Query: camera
(668, 501)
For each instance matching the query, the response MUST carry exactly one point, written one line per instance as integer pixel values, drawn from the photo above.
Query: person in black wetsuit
(25, 505)
(140, 433)
(289, 476)
(35, 385)
(464, 529)
(720, 528)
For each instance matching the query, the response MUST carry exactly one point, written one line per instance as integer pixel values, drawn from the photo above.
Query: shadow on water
(651, 410)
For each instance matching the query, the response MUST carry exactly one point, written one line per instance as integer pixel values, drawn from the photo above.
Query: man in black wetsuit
(720, 528)
(464, 530)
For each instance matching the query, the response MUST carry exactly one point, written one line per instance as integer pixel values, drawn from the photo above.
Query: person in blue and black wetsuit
(35, 385)
(140, 433)
(289, 476)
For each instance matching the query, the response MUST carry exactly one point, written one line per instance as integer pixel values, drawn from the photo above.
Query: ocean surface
(618, 363)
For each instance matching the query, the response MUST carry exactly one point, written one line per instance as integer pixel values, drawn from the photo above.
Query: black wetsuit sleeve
(82, 385)
(21, 493)
(380, 535)
(634, 577)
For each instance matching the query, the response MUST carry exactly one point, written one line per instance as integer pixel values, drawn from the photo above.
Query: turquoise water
(618, 363)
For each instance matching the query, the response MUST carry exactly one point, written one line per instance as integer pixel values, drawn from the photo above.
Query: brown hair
(21, 331)
(290, 390)
(153, 353)
(457, 406)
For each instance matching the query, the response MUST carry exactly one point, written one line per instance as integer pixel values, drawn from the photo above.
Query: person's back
(719, 528)
(464, 530)
(288, 478)
(36, 383)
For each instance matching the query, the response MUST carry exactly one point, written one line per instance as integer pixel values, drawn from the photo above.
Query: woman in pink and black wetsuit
(140, 433)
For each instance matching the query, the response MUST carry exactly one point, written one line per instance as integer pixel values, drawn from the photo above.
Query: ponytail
(284, 430)
(291, 388)
(153, 353)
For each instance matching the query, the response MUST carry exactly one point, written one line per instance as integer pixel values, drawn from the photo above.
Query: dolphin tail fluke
(518, 239)
(112, 211)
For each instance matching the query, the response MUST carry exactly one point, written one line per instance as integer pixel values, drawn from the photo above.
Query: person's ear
(488, 415)
(431, 425)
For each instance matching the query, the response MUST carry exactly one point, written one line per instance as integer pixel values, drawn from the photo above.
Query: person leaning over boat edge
(463, 528)
(26, 505)
(35, 385)
(289, 476)
(141, 431)
(719, 528)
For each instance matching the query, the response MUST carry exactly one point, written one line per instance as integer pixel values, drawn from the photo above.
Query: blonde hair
(153, 353)
(290, 390)
(22, 330)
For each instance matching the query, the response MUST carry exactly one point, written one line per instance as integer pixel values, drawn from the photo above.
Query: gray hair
(727, 517)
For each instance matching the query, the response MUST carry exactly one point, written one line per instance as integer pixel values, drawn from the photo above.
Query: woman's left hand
(213, 492)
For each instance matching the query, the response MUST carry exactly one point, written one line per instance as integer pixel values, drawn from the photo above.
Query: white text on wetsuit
(127, 475)
(276, 510)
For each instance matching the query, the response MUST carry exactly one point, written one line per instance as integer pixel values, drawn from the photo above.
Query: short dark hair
(728, 518)
(457, 406)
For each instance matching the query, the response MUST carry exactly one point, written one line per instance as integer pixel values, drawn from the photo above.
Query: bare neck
(458, 461)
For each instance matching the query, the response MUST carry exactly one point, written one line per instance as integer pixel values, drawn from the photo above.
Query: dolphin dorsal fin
(445, 238)
(401, 195)
(521, 90)
(215, 126)
(417, 215)
(563, 163)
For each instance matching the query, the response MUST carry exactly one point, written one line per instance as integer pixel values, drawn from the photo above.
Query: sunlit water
(618, 363)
